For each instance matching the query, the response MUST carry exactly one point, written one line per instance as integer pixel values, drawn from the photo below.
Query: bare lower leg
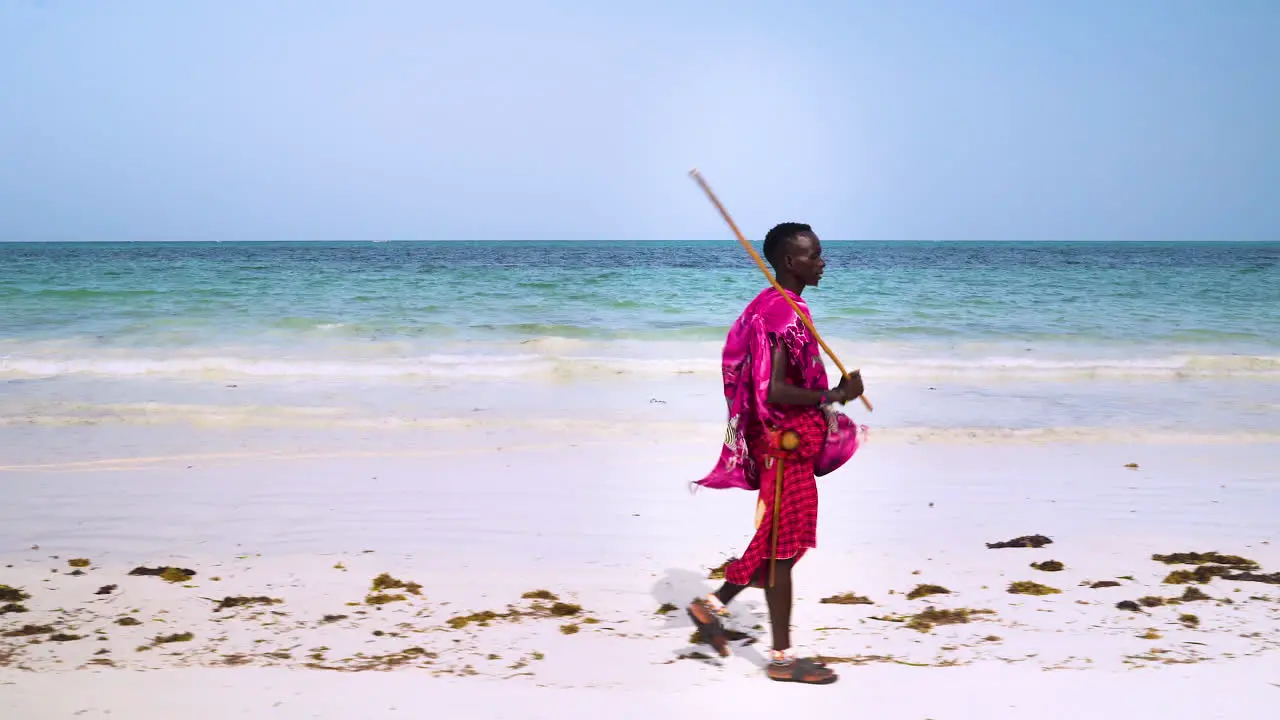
(779, 600)
(728, 592)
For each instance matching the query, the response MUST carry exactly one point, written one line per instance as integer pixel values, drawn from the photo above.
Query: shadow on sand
(679, 587)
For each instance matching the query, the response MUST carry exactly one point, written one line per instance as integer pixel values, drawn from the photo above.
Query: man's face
(804, 260)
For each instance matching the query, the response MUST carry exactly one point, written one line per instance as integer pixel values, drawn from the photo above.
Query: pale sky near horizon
(950, 119)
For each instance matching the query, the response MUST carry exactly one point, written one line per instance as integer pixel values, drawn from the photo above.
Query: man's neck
(790, 283)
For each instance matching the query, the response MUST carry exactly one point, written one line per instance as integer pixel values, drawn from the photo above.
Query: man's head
(795, 253)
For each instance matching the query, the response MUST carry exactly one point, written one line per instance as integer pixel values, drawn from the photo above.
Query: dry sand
(603, 521)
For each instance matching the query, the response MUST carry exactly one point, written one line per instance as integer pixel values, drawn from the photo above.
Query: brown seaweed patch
(386, 582)
(241, 601)
(482, 618)
(1026, 587)
(540, 595)
(64, 637)
(29, 630)
(1151, 634)
(1189, 620)
(853, 659)
(174, 638)
(79, 562)
(12, 594)
(1129, 605)
(1151, 601)
(562, 609)
(12, 608)
(105, 590)
(1202, 574)
(717, 572)
(925, 620)
(1193, 594)
(569, 629)
(1270, 579)
(332, 618)
(1048, 566)
(383, 598)
(1025, 541)
(665, 609)
(126, 621)
(166, 573)
(1104, 584)
(846, 599)
(926, 590)
(1210, 558)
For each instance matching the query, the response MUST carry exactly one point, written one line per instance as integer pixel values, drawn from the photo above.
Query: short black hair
(778, 238)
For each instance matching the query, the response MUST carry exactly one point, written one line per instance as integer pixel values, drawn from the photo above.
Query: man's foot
(785, 668)
(704, 615)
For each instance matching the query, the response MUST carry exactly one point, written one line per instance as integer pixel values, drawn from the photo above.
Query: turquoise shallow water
(515, 307)
(950, 336)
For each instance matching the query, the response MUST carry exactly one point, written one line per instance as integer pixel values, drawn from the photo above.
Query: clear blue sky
(903, 119)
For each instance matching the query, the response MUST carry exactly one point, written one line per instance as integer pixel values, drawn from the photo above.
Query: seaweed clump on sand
(665, 609)
(1104, 584)
(717, 572)
(1270, 579)
(1026, 587)
(926, 590)
(105, 590)
(1192, 594)
(383, 598)
(12, 594)
(29, 630)
(12, 608)
(1025, 541)
(64, 637)
(1151, 601)
(241, 601)
(78, 562)
(166, 573)
(1128, 605)
(846, 599)
(482, 618)
(174, 638)
(1190, 621)
(925, 620)
(386, 582)
(1210, 558)
(127, 621)
(562, 609)
(1048, 566)
(540, 595)
(1202, 575)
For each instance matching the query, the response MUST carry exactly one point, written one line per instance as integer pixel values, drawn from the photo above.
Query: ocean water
(1150, 323)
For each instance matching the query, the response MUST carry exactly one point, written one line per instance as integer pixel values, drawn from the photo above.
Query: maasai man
(781, 428)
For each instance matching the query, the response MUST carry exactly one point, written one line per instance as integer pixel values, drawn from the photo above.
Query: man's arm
(784, 393)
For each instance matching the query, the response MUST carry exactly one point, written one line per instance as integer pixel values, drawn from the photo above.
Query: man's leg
(778, 598)
(784, 664)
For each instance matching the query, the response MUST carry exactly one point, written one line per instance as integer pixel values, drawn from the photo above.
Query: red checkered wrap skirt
(798, 516)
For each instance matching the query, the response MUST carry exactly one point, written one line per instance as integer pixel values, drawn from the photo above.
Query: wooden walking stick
(777, 503)
(697, 176)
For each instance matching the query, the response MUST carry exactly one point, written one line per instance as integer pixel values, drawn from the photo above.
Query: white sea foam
(570, 359)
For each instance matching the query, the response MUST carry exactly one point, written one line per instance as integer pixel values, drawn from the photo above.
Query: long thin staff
(697, 176)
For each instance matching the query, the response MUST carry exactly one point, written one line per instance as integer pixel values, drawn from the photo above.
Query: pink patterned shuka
(747, 366)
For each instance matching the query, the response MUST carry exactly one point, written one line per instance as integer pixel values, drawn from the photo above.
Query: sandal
(802, 670)
(709, 627)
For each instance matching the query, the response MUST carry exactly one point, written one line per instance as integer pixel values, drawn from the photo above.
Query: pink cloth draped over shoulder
(747, 365)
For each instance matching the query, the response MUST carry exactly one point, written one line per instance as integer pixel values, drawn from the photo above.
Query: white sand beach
(297, 510)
